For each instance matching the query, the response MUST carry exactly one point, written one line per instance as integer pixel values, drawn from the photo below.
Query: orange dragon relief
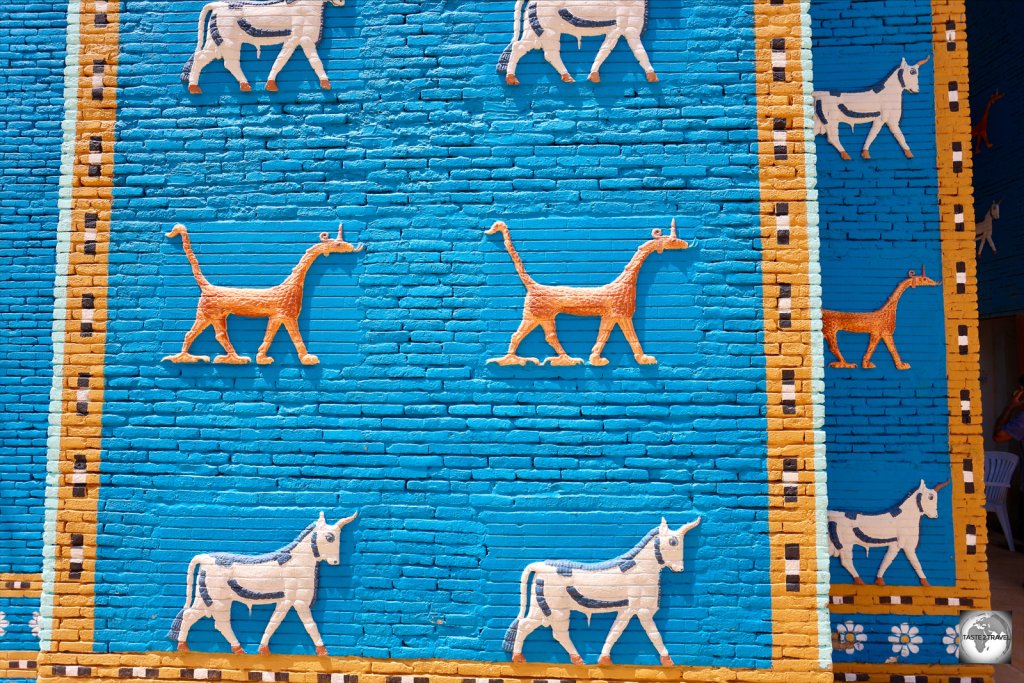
(614, 303)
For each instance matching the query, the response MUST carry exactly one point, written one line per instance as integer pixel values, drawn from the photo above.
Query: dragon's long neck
(894, 298)
(632, 270)
(298, 274)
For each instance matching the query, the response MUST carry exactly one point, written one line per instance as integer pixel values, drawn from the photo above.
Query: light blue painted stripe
(824, 579)
(64, 230)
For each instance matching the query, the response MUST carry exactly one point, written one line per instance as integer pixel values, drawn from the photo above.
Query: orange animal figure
(280, 304)
(615, 303)
(880, 324)
(979, 133)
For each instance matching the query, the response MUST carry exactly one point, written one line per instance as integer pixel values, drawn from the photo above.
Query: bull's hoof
(566, 78)
(910, 155)
(325, 84)
(594, 77)
(195, 89)
(264, 649)
(272, 86)
(511, 79)
(845, 156)
(576, 659)
(237, 649)
(857, 581)
(321, 650)
(924, 582)
(652, 77)
(667, 661)
(604, 661)
(183, 647)
(865, 154)
(245, 87)
(518, 658)
(879, 581)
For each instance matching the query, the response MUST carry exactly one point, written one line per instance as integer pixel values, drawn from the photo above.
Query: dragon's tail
(511, 248)
(180, 229)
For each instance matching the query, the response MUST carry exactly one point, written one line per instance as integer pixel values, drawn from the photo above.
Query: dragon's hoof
(576, 659)
(879, 581)
(858, 581)
(272, 86)
(562, 361)
(594, 77)
(264, 360)
(232, 359)
(195, 89)
(183, 647)
(264, 649)
(845, 156)
(647, 360)
(518, 658)
(652, 77)
(325, 84)
(865, 154)
(513, 359)
(840, 364)
(309, 359)
(245, 86)
(667, 661)
(903, 366)
(237, 649)
(511, 79)
(566, 78)
(868, 365)
(187, 358)
(605, 660)
(598, 361)
(321, 650)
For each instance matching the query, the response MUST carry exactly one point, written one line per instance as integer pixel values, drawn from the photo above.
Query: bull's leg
(891, 345)
(876, 126)
(610, 41)
(232, 52)
(222, 622)
(188, 619)
(618, 626)
(309, 48)
(551, 44)
(846, 559)
(911, 554)
(275, 620)
(637, 46)
(287, 48)
(991, 244)
(519, 48)
(894, 126)
(634, 343)
(607, 325)
(832, 135)
(302, 609)
(560, 629)
(527, 625)
(647, 621)
(872, 344)
(199, 61)
(890, 555)
(511, 358)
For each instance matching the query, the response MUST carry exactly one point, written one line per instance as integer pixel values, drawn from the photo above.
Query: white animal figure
(228, 25)
(879, 105)
(628, 585)
(983, 228)
(896, 529)
(286, 578)
(547, 20)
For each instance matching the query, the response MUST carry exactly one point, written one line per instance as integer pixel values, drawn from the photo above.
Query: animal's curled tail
(180, 229)
(524, 600)
(517, 23)
(176, 626)
(511, 248)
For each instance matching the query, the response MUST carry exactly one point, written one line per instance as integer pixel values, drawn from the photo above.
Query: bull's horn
(939, 486)
(923, 61)
(348, 520)
(687, 527)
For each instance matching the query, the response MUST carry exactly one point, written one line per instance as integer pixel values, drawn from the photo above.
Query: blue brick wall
(462, 472)
(31, 110)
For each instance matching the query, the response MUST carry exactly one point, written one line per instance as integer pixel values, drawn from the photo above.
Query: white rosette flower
(952, 640)
(905, 640)
(850, 637)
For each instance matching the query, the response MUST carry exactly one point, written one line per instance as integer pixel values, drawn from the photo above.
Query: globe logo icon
(985, 637)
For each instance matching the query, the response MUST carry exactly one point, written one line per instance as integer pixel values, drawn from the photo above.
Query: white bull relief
(546, 20)
(225, 26)
(628, 585)
(286, 578)
(879, 105)
(896, 529)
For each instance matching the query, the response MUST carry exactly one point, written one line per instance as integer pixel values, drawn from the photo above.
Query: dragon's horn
(674, 228)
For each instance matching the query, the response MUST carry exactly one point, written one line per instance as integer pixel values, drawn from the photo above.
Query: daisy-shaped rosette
(952, 640)
(36, 624)
(3, 623)
(905, 640)
(850, 637)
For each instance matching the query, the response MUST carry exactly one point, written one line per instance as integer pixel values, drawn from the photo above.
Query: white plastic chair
(999, 469)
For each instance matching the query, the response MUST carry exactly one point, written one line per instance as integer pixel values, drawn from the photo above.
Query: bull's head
(921, 280)
(911, 74)
(994, 209)
(670, 544)
(336, 245)
(928, 499)
(327, 538)
(660, 243)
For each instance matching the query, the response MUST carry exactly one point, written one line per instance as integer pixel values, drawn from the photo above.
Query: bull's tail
(186, 70)
(517, 24)
(186, 245)
(176, 626)
(524, 601)
(513, 254)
